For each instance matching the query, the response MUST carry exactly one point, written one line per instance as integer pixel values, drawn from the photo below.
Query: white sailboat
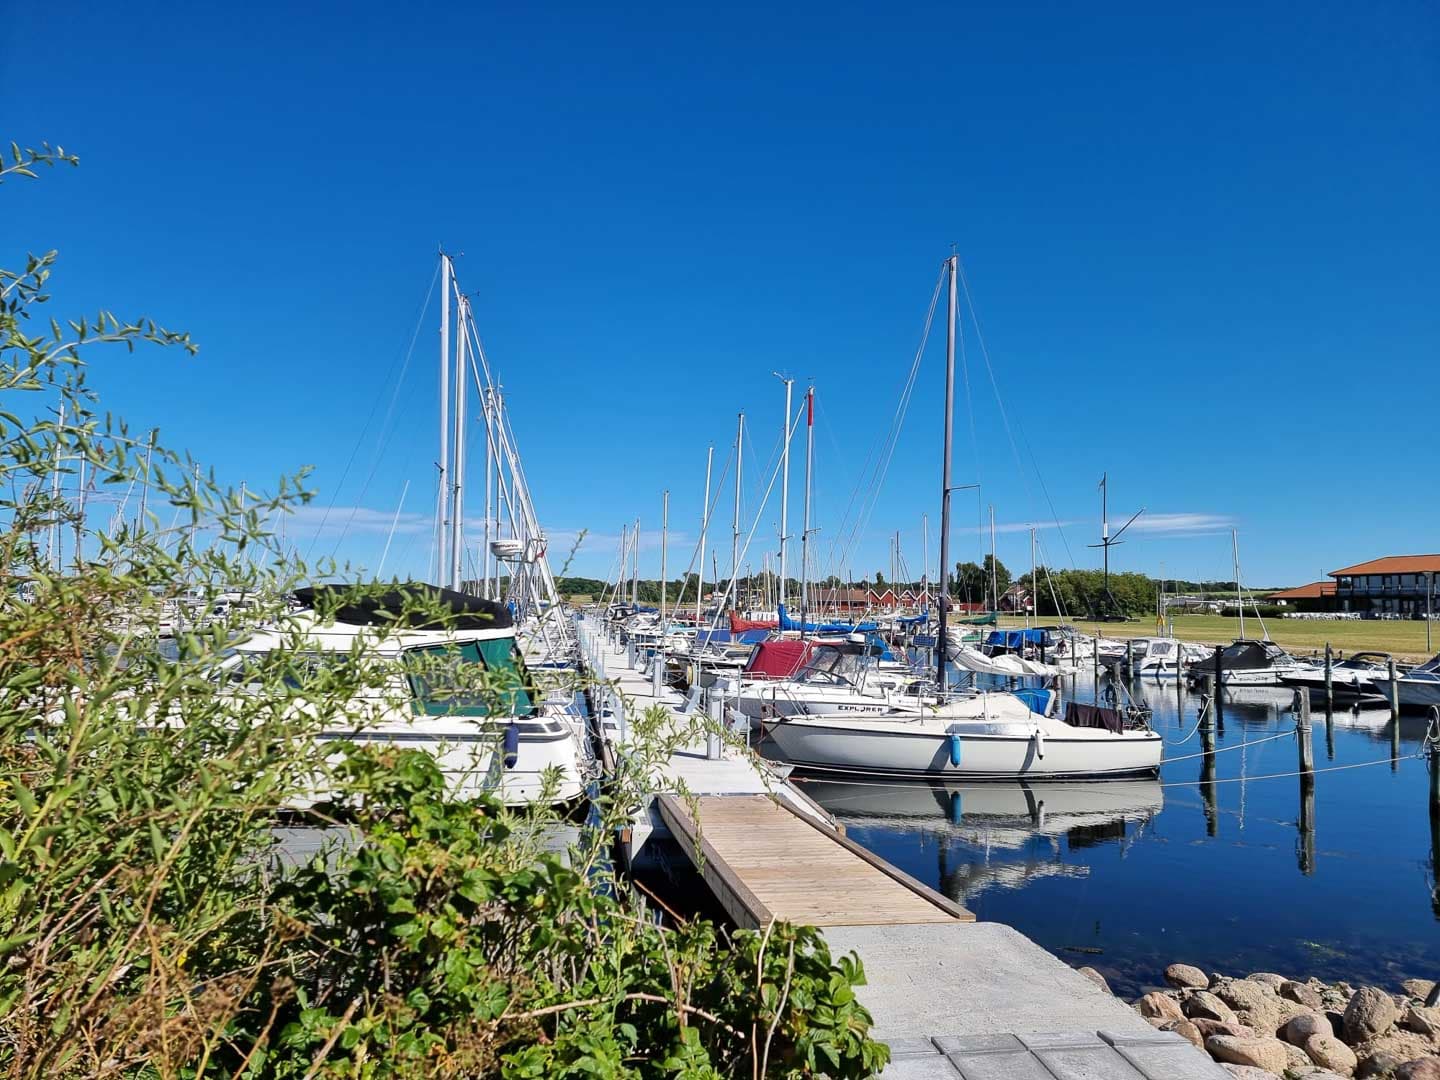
(974, 735)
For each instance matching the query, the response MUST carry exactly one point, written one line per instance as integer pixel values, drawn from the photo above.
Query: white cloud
(1182, 524)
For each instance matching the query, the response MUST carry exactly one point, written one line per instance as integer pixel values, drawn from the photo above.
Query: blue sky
(1200, 244)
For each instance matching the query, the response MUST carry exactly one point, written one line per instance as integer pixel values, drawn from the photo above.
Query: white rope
(1237, 746)
(1282, 775)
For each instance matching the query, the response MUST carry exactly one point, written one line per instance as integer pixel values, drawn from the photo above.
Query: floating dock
(953, 997)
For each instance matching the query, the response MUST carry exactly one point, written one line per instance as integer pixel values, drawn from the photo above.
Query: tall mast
(735, 537)
(664, 543)
(784, 489)
(1105, 532)
(145, 487)
(925, 566)
(940, 642)
(805, 527)
(486, 555)
(442, 512)
(457, 501)
(1034, 584)
(53, 555)
(704, 524)
(1235, 560)
(994, 575)
(635, 564)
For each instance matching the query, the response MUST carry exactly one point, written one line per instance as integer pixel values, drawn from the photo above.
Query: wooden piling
(1394, 692)
(1219, 689)
(1130, 658)
(1095, 664)
(1302, 729)
(1329, 684)
(1433, 759)
(1179, 690)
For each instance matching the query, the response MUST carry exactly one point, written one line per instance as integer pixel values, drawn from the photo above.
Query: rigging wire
(359, 439)
(884, 450)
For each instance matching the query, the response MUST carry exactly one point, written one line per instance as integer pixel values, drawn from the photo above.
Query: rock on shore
(1269, 1025)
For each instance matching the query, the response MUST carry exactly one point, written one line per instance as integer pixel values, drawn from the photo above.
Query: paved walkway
(1103, 1055)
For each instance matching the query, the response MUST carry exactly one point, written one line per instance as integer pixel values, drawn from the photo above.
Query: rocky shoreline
(1266, 1025)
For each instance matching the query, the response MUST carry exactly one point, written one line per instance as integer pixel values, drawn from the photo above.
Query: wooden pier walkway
(767, 862)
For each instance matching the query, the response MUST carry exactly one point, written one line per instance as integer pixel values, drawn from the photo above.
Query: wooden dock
(767, 862)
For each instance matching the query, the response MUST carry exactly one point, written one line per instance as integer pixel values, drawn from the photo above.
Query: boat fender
(1039, 744)
(955, 750)
(511, 744)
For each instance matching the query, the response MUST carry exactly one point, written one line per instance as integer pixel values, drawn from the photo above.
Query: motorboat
(1247, 662)
(503, 738)
(1418, 688)
(1163, 657)
(1351, 679)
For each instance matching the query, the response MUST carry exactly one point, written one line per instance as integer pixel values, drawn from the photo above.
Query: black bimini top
(413, 604)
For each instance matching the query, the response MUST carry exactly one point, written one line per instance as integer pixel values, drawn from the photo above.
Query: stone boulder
(1157, 1006)
(1377, 1067)
(1302, 994)
(1220, 1027)
(1186, 977)
(1268, 978)
(1330, 1053)
(1426, 1068)
(1423, 1020)
(1371, 1013)
(1399, 1046)
(1248, 1072)
(1204, 1005)
(1095, 977)
(1419, 989)
(1187, 1030)
(1255, 1003)
(1303, 1026)
(1272, 1055)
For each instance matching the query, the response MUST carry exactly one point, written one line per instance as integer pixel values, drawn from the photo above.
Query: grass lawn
(1405, 639)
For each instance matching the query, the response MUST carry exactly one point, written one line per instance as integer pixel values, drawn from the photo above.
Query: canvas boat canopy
(439, 609)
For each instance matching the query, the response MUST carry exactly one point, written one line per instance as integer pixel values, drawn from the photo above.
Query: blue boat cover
(787, 623)
(1015, 639)
(1037, 700)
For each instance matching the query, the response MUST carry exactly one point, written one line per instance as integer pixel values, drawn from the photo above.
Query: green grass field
(1406, 639)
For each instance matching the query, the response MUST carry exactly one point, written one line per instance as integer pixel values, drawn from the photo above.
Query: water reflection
(1000, 835)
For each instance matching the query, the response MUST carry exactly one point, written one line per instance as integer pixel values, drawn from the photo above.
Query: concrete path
(1102, 1055)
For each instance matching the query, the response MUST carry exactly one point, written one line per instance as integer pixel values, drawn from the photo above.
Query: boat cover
(1081, 715)
(1242, 656)
(777, 659)
(787, 623)
(1015, 639)
(366, 605)
(739, 625)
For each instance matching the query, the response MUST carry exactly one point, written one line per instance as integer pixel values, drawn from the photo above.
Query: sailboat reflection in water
(1008, 834)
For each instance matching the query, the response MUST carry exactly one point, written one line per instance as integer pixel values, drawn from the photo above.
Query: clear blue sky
(1202, 246)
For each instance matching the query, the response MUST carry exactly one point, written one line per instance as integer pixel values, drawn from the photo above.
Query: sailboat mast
(735, 528)
(1105, 533)
(784, 488)
(925, 566)
(940, 642)
(1235, 561)
(442, 513)
(664, 544)
(486, 555)
(704, 524)
(635, 564)
(994, 575)
(805, 527)
(1034, 604)
(457, 499)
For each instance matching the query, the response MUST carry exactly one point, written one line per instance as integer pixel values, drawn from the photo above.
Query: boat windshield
(831, 666)
(470, 678)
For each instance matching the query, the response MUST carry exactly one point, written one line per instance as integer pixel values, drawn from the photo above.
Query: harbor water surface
(1130, 876)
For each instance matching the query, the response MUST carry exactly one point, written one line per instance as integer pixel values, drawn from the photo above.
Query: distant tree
(1002, 575)
(879, 580)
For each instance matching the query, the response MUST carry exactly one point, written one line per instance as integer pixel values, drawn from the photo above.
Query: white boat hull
(985, 751)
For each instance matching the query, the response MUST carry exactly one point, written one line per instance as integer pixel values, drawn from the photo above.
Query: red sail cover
(739, 625)
(777, 659)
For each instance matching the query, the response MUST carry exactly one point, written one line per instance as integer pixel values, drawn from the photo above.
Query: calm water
(1129, 876)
